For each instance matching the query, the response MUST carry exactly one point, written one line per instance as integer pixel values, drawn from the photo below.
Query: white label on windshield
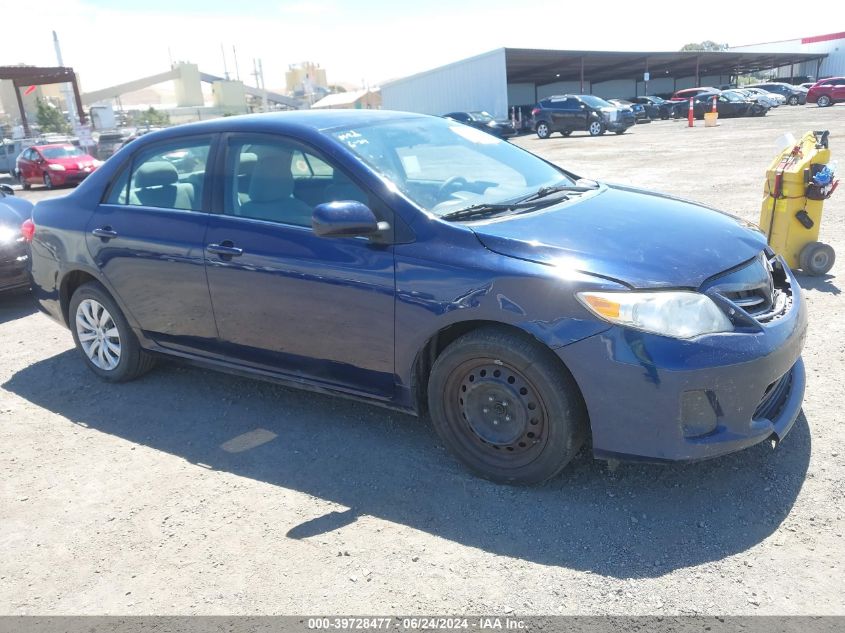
(411, 165)
(474, 136)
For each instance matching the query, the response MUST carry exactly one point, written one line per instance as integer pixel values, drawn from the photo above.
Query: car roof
(51, 145)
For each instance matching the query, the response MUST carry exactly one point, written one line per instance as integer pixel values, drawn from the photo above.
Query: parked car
(794, 95)
(426, 266)
(807, 85)
(827, 92)
(484, 121)
(54, 165)
(768, 99)
(640, 115)
(14, 254)
(686, 93)
(754, 106)
(658, 108)
(108, 143)
(571, 113)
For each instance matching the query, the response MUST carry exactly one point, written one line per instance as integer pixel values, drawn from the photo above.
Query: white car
(772, 99)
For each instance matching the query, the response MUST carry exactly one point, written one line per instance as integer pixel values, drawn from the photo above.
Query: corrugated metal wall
(478, 83)
(832, 66)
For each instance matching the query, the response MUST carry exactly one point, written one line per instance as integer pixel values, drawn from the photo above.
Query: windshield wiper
(484, 209)
(542, 192)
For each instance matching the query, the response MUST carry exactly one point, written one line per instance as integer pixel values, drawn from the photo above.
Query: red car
(828, 91)
(686, 93)
(54, 165)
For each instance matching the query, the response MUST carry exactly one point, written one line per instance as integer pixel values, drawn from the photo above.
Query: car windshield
(656, 100)
(65, 151)
(482, 117)
(595, 102)
(442, 166)
(732, 96)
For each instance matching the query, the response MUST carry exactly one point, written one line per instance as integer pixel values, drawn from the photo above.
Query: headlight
(675, 314)
(8, 234)
(55, 167)
(96, 163)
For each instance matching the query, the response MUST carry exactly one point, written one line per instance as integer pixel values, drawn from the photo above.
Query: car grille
(774, 398)
(761, 289)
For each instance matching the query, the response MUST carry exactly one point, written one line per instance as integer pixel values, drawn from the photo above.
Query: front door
(284, 299)
(147, 239)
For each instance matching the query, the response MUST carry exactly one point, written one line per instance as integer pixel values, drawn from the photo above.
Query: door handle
(104, 232)
(225, 249)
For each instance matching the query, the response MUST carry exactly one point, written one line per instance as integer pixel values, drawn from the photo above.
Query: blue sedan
(425, 265)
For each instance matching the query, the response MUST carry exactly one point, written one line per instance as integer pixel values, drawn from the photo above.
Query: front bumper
(638, 386)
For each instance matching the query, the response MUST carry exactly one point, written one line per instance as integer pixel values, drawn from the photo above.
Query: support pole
(582, 75)
(697, 74)
(24, 122)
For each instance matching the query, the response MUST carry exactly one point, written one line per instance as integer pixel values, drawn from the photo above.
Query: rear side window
(168, 176)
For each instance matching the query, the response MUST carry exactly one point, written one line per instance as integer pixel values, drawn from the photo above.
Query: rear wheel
(823, 101)
(543, 130)
(793, 100)
(48, 181)
(504, 405)
(817, 258)
(103, 336)
(596, 128)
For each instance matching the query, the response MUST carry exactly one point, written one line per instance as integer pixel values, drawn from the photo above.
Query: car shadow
(823, 283)
(637, 521)
(16, 304)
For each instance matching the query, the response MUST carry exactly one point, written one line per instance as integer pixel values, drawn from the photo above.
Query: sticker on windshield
(474, 136)
(411, 164)
(352, 138)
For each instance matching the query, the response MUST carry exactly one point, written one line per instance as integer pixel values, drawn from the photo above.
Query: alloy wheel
(824, 101)
(595, 128)
(98, 334)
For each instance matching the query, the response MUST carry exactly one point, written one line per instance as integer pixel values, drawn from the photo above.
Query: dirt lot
(195, 492)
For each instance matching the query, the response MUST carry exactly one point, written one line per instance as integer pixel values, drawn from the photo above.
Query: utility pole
(263, 86)
(225, 68)
(235, 56)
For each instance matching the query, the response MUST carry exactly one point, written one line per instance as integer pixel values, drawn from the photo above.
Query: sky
(367, 41)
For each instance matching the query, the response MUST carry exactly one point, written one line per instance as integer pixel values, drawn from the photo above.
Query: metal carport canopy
(547, 66)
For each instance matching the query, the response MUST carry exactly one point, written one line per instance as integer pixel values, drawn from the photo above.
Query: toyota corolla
(424, 265)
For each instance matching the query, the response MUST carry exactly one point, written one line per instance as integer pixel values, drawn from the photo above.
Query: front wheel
(543, 130)
(506, 407)
(103, 336)
(823, 101)
(817, 258)
(596, 128)
(793, 100)
(48, 181)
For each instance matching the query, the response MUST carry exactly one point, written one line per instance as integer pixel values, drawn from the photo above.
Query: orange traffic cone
(691, 115)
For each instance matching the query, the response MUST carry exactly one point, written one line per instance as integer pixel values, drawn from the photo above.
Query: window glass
(65, 151)
(277, 181)
(169, 176)
(119, 193)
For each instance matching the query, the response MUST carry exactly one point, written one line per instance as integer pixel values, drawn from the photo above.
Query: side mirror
(7, 190)
(346, 218)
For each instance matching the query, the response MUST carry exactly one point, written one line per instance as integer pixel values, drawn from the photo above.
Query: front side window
(276, 180)
(441, 166)
(167, 176)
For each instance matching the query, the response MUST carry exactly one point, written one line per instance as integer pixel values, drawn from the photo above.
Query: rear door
(838, 91)
(147, 239)
(286, 300)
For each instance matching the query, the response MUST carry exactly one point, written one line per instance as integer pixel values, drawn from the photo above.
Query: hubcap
(98, 334)
(595, 128)
(543, 130)
(500, 409)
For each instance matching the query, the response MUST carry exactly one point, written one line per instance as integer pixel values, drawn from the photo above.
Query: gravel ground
(193, 492)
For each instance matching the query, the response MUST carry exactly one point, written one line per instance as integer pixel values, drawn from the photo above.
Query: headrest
(271, 180)
(156, 174)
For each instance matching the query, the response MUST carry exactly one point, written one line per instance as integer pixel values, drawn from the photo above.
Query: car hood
(71, 161)
(640, 238)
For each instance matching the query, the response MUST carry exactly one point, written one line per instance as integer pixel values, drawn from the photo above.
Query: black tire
(596, 128)
(133, 361)
(48, 181)
(490, 373)
(793, 100)
(823, 101)
(543, 130)
(817, 258)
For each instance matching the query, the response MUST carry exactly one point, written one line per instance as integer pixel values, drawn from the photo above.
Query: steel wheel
(499, 415)
(98, 334)
(596, 128)
(824, 101)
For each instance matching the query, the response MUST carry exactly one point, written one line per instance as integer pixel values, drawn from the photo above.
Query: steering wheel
(455, 182)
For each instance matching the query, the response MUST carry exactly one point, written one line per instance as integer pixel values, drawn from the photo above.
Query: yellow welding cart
(797, 184)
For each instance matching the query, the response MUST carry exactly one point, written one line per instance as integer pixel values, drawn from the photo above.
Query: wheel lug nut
(507, 418)
(485, 410)
(490, 398)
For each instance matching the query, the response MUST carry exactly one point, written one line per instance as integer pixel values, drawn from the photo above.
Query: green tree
(50, 118)
(152, 117)
(706, 45)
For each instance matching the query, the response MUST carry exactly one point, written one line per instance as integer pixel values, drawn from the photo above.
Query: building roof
(547, 66)
(340, 99)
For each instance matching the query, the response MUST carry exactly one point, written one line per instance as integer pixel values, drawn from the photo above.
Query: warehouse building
(829, 49)
(516, 77)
